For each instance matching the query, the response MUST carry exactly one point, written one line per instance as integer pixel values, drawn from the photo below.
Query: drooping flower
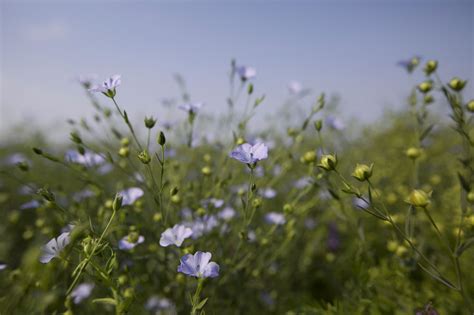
(250, 154)
(108, 87)
(82, 292)
(246, 73)
(199, 265)
(275, 218)
(175, 235)
(54, 247)
(130, 241)
(130, 195)
(191, 108)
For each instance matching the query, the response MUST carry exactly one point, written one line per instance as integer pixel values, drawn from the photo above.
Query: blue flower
(108, 86)
(246, 73)
(130, 195)
(128, 243)
(250, 154)
(81, 292)
(199, 265)
(191, 108)
(86, 159)
(335, 123)
(275, 218)
(54, 247)
(175, 235)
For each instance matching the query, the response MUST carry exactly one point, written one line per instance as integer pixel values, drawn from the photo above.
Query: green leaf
(201, 304)
(464, 246)
(426, 132)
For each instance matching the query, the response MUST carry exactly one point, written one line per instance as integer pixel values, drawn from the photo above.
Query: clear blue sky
(348, 47)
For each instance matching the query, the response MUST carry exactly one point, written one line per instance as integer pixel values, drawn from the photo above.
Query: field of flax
(207, 216)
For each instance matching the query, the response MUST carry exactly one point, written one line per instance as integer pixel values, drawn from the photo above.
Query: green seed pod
(328, 162)
(362, 172)
(161, 138)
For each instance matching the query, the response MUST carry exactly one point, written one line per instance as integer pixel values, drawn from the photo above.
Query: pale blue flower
(226, 214)
(191, 108)
(130, 195)
(216, 203)
(126, 244)
(54, 247)
(268, 193)
(295, 87)
(359, 203)
(246, 73)
(3, 265)
(199, 265)
(335, 123)
(250, 154)
(156, 303)
(86, 159)
(275, 218)
(33, 204)
(82, 292)
(175, 235)
(108, 86)
(16, 158)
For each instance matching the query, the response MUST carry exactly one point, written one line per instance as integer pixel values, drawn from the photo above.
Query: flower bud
(144, 157)
(457, 84)
(362, 172)
(23, 166)
(309, 157)
(175, 199)
(257, 202)
(150, 122)
(161, 138)
(75, 137)
(250, 89)
(124, 142)
(174, 191)
(413, 153)
(470, 106)
(328, 162)
(318, 125)
(419, 198)
(425, 87)
(46, 194)
(124, 152)
(240, 141)
(430, 67)
(117, 204)
(470, 196)
(428, 99)
(206, 171)
(157, 217)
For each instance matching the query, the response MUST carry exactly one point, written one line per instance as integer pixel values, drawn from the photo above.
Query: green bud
(144, 157)
(413, 153)
(46, 194)
(425, 87)
(328, 162)
(257, 202)
(150, 122)
(75, 137)
(161, 138)
(38, 151)
(124, 151)
(362, 172)
(428, 99)
(174, 191)
(309, 157)
(23, 166)
(117, 204)
(206, 171)
(430, 67)
(318, 125)
(457, 84)
(470, 106)
(124, 142)
(250, 89)
(419, 198)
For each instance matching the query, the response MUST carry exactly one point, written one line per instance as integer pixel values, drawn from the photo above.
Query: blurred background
(349, 48)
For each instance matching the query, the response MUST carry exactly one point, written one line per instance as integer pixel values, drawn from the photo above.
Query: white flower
(54, 247)
(82, 292)
(175, 235)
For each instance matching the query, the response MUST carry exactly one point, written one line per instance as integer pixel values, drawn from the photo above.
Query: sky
(346, 47)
